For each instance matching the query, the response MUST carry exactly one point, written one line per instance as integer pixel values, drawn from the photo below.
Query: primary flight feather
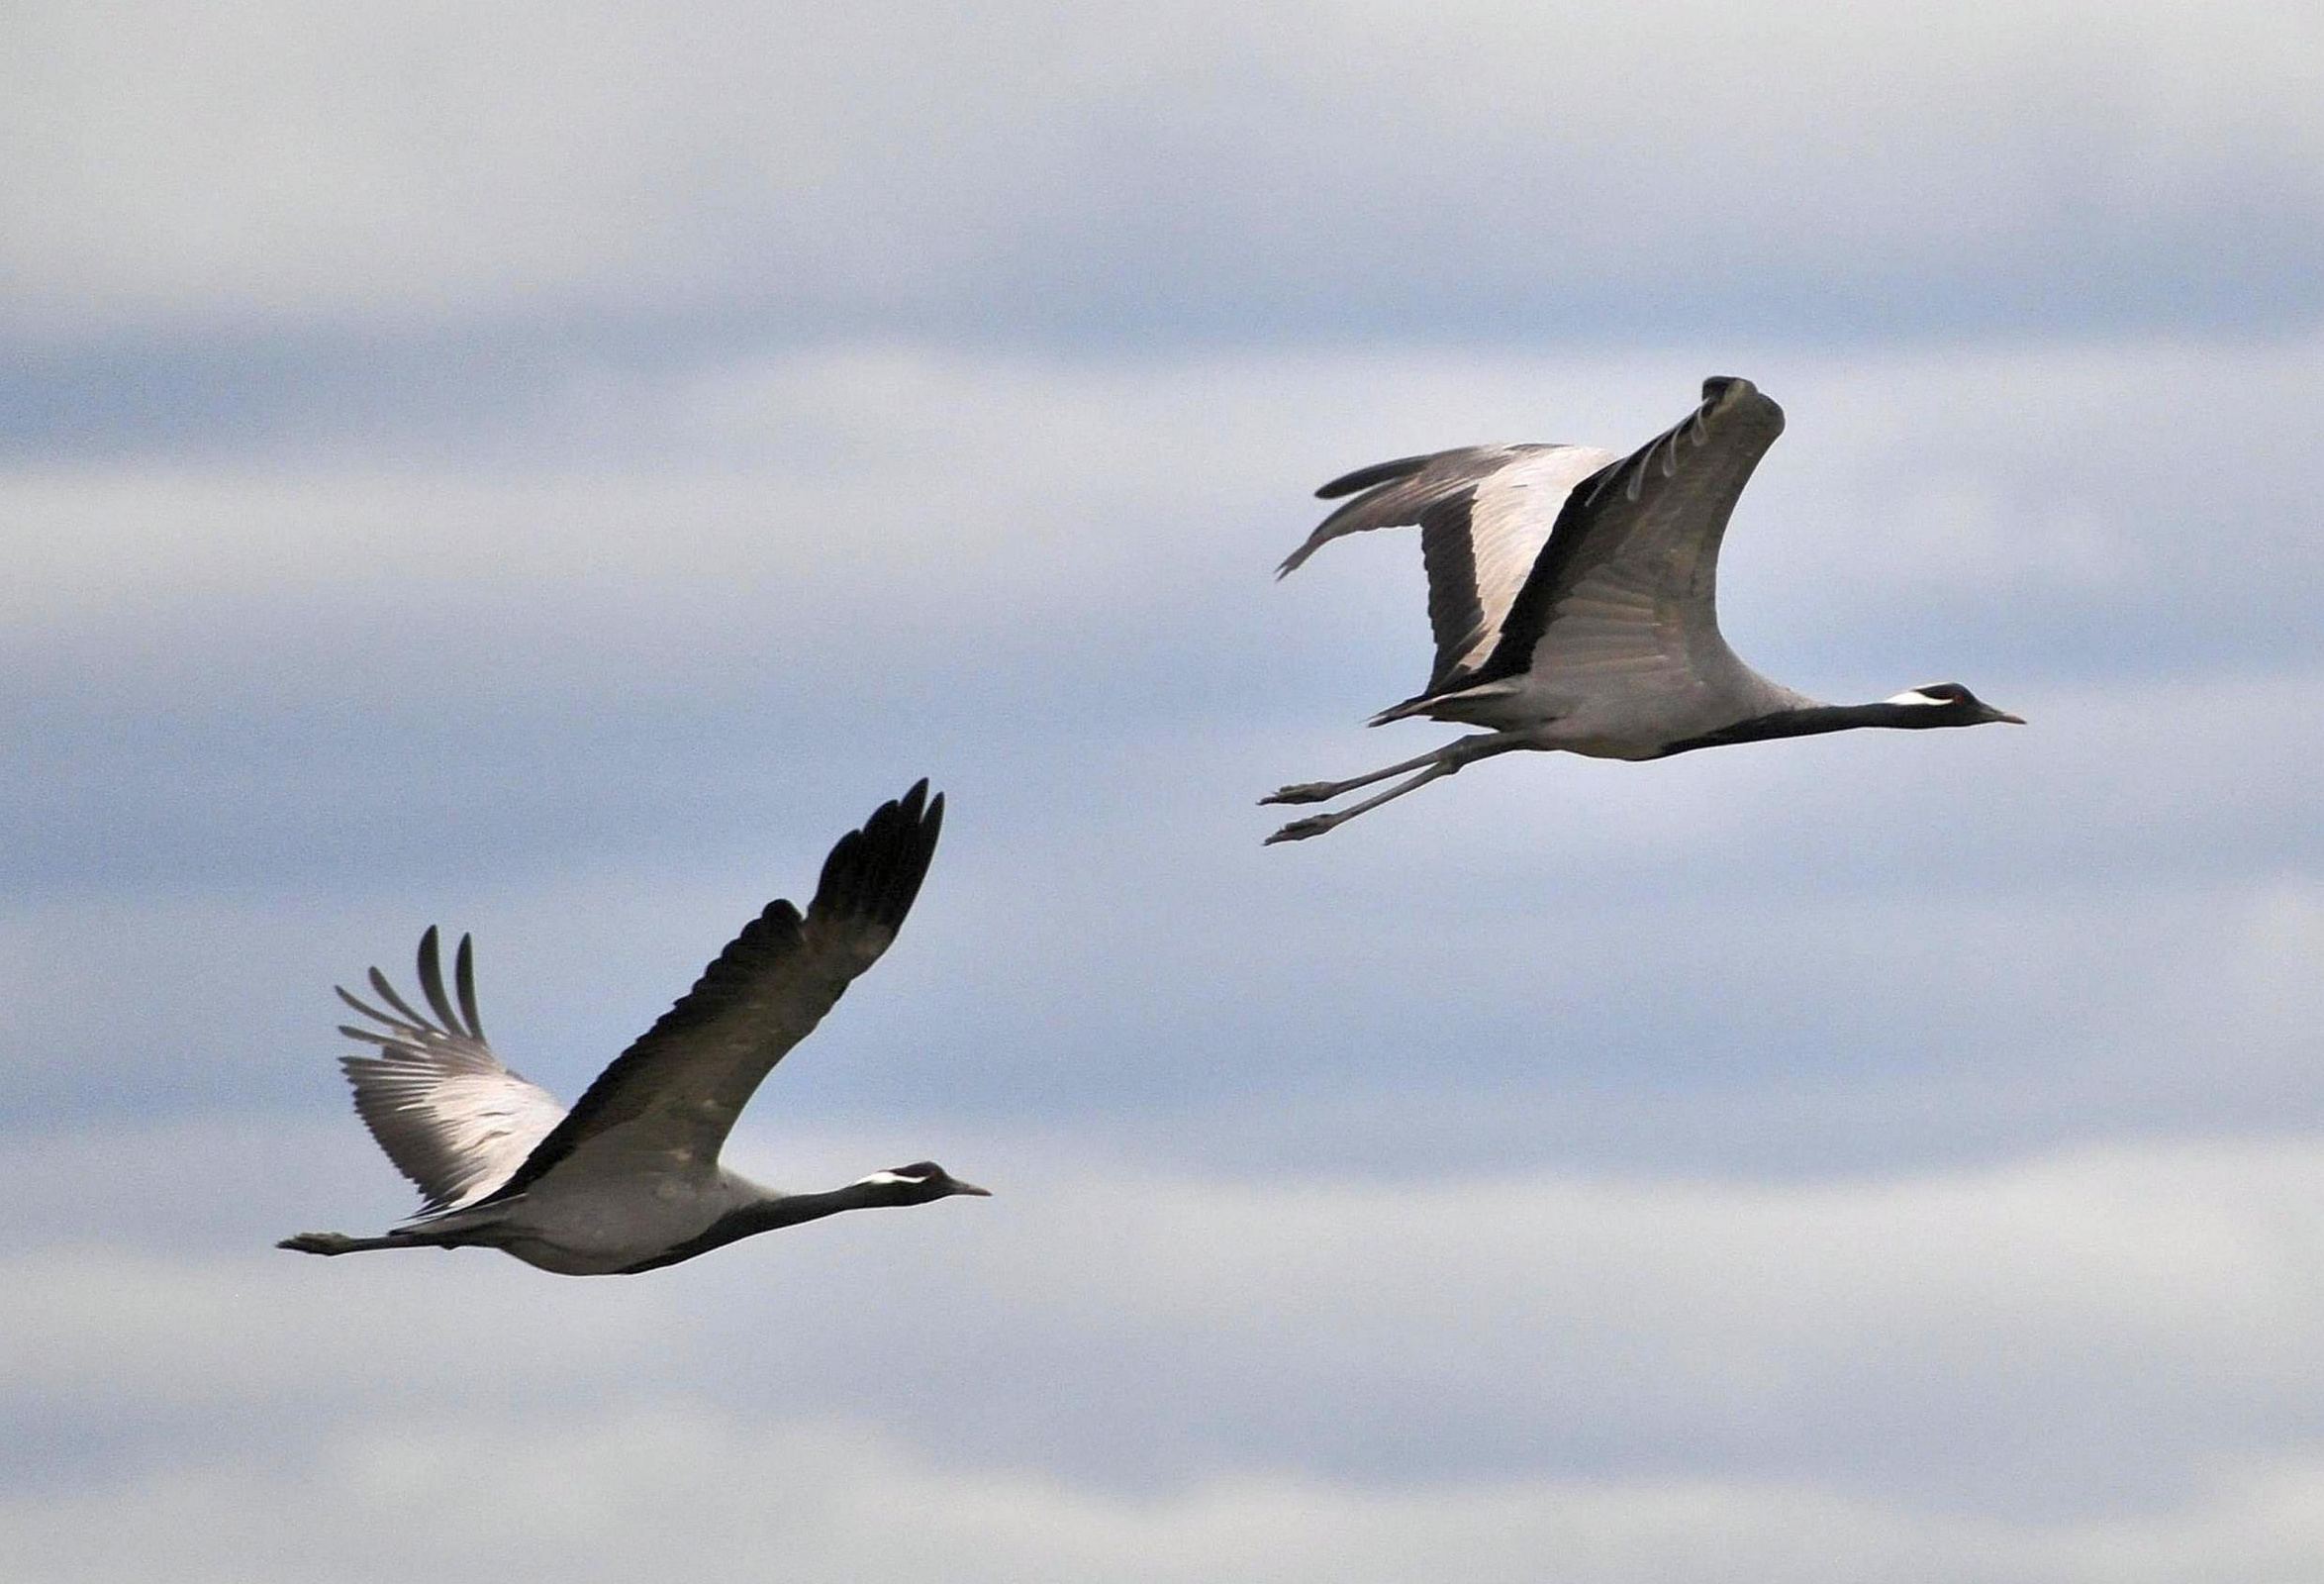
(628, 1179)
(1573, 594)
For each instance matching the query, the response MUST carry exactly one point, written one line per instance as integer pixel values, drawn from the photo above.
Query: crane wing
(1628, 580)
(439, 1103)
(668, 1102)
(1484, 513)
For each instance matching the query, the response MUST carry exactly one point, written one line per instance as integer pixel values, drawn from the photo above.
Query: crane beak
(2014, 720)
(971, 1189)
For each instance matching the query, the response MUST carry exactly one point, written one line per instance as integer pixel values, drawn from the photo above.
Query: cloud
(1851, 997)
(613, 1496)
(641, 651)
(1089, 172)
(548, 470)
(595, 622)
(2047, 495)
(2082, 1365)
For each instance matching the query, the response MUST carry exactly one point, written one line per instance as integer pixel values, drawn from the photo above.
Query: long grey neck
(789, 1210)
(765, 1214)
(1810, 721)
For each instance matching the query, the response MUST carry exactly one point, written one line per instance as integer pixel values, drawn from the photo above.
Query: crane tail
(1431, 703)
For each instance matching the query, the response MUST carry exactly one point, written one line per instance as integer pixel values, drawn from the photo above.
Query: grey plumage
(678, 1089)
(1573, 596)
(630, 1179)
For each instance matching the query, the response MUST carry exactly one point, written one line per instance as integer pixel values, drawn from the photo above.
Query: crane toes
(318, 1242)
(1303, 792)
(1301, 829)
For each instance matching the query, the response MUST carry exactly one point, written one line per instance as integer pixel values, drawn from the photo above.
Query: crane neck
(1815, 719)
(766, 1215)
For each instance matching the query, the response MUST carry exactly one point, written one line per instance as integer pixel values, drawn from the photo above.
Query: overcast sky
(550, 470)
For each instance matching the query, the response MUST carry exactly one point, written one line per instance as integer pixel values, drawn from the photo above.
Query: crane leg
(338, 1242)
(1445, 761)
(1325, 791)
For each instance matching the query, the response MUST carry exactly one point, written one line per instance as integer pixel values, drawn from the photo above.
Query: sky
(548, 470)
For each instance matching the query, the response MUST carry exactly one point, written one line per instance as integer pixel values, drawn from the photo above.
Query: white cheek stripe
(1913, 696)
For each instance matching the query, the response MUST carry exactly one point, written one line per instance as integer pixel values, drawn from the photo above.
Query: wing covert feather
(674, 1095)
(1629, 575)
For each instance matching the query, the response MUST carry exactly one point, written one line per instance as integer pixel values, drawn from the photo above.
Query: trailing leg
(338, 1242)
(1325, 791)
(1445, 761)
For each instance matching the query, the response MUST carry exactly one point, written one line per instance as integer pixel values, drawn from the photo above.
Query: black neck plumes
(766, 1215)
(1818, 719)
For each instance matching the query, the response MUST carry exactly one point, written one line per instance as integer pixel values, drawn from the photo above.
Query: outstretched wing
(1628, 580)
(1484, 513)
(445, 1111)
(668, 1102)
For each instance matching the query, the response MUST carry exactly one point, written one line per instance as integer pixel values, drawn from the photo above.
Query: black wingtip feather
(432, 980)
(1377, 473)
(876, 872)
(872, 873)
(366, 1008)
(464, 980)
(387, 994)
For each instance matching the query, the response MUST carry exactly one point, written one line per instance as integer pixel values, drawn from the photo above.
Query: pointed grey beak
(971, 1189)
(2014, 720)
